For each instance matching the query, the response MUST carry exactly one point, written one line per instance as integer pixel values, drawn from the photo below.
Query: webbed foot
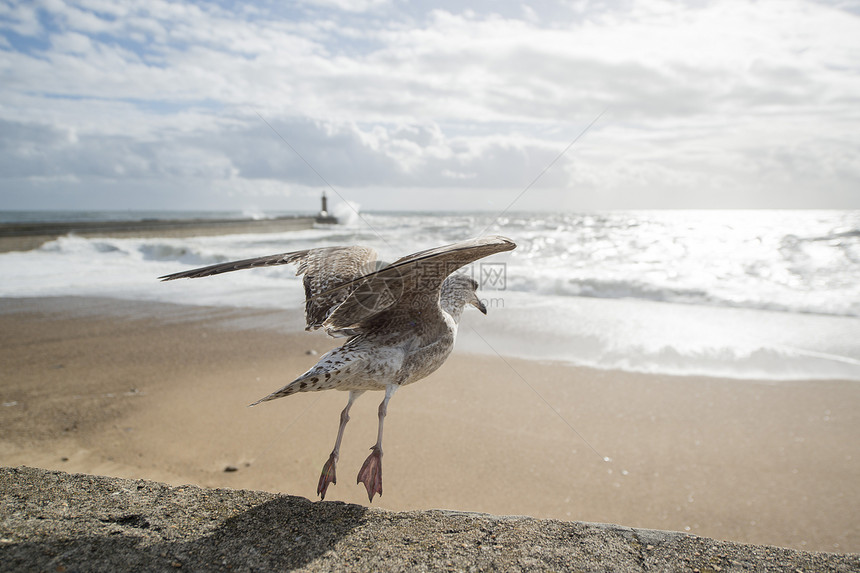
(370, 473)
(327, 476)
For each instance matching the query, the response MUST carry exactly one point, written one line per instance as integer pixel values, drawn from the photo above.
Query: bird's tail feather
(287, 390)
(314, 379)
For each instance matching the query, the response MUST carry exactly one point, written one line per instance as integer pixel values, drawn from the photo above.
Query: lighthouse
(323, 216)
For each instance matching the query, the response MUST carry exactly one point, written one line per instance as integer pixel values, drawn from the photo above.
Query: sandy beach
(137, 389)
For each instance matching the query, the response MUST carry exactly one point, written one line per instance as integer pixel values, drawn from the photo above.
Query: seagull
(400, 320)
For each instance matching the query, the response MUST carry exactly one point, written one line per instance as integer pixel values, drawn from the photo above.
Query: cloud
(732, 103)
(350, 5)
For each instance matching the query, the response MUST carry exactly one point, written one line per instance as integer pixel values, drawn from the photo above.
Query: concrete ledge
(53, 521)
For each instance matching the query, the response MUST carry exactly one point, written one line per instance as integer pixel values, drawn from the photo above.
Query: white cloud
(21, 19)
(349, 5)
(72, 43)
(704, 99)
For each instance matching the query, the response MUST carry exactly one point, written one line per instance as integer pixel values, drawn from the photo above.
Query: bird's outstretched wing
(329, 275)
(412, 282)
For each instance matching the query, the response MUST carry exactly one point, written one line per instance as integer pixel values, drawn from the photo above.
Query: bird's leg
(327, 475)
(370, 473)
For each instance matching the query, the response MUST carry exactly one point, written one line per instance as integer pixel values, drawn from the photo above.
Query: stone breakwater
(54, 521)
(28, 236)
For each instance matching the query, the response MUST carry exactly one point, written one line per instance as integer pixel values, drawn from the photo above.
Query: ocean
(763, 295)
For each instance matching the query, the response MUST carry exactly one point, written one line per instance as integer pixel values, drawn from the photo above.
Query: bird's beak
(476, 302)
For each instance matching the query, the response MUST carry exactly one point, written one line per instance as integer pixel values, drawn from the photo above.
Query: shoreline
(159, 391)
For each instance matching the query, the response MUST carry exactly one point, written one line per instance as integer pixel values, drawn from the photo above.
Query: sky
(395, 105)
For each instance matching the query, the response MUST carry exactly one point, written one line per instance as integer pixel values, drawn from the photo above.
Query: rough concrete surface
(54, 521)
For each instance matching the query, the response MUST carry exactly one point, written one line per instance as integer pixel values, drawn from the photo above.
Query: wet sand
(134, 389)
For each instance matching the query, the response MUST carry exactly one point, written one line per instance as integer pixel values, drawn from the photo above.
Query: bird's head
(457, 291)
